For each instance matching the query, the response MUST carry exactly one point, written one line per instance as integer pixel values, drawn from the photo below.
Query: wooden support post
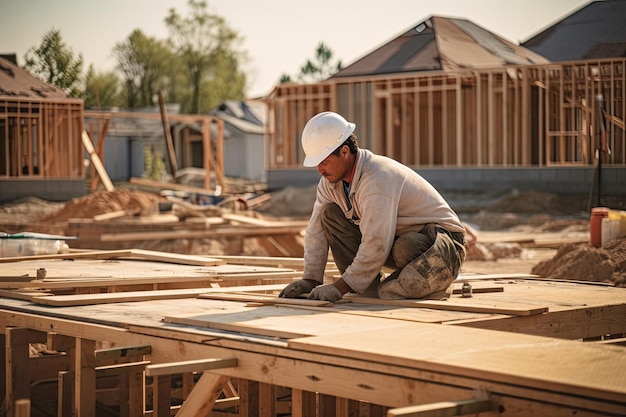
(267, 400)
(17, 365)
(64, 393)
(303, 403)
(85, 384)
(248, 398)
(22, 408)
(161, 395)
(3, 365)
(171, 153)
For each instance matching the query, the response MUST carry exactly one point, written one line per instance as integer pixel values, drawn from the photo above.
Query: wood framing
(536, 115)
(243, 351)
(41, 138)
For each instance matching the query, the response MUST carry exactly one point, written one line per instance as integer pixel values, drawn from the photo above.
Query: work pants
(424, 262)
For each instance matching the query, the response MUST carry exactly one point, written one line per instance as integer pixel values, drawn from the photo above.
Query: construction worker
(372, 211)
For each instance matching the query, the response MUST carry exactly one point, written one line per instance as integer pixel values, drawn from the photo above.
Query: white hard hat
(324, 133)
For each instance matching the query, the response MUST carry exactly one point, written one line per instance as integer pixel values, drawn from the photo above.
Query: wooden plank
(116, 297)
(204, 395)
(190, 366)
(114, 215)
(238, 218)
(281, 321)
(504, 357)
(444, 409)
(73, 255)
(96, 162)
(261, 299)
(491, 307)
(178, 258)
(144, 254)
(106, 355)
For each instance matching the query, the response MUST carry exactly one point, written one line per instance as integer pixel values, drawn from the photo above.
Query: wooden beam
(444, 409)
(97, 163)
(171, 153)
(190, 366)
(104, 355)
(203, 396)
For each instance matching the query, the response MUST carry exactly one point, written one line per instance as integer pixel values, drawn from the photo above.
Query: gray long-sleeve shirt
(388, 199)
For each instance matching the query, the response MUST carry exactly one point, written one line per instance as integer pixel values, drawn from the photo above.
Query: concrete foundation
(560, 180)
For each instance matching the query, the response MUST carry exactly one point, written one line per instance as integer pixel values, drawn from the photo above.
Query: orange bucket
(595, 225)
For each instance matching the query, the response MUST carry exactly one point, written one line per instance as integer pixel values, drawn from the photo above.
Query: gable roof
(16, 82)
(597, 30)
(442, 44)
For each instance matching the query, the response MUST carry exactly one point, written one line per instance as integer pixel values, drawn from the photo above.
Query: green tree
(102, 90)
(55, 63)
(319, 69)
(144, 63)
(207, 49)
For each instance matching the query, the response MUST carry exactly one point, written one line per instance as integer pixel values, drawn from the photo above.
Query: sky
(278, 36)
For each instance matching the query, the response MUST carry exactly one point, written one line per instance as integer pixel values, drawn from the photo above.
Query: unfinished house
(468, 109)
(41, 153)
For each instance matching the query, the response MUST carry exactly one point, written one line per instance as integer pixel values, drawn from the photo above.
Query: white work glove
(327, 292)
(297, 288)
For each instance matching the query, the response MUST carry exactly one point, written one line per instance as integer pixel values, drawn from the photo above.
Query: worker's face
(336, 167)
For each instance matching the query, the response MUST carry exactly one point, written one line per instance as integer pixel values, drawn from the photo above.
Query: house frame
(515, 116)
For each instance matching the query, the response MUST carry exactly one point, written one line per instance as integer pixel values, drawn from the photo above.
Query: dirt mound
(537, 202)
(583, 262)
(290, 202)
(103, 202)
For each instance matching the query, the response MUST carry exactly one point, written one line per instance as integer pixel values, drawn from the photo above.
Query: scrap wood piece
(264, 299)
(216, 233)
(143, 254)
(117, 297)
(469, 305)
(178, 258)
(114, 215)
(97, 162)
(71, 255)
(239, 218)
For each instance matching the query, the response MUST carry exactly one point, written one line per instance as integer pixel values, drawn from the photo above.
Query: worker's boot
(429, 274)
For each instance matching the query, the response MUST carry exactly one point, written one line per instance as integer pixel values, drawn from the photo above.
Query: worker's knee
(409, 247)
(430, 273)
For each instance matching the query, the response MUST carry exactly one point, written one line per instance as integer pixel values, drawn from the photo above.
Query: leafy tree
(144, 62)
(317, 70)
(207, 46)
(55, 63)
(102, 90)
